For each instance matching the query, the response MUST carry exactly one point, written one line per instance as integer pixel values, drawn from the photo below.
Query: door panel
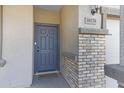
(46, 48)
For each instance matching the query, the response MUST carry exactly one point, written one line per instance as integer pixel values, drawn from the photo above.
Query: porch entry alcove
(86, 69)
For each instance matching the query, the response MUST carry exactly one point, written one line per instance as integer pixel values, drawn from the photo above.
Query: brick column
(91, 60)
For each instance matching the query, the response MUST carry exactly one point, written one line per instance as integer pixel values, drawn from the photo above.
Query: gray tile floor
(49, 81)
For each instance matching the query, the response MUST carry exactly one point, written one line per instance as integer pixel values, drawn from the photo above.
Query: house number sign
(90, 21)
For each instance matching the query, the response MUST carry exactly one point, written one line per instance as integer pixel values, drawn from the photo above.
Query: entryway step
(49, 72)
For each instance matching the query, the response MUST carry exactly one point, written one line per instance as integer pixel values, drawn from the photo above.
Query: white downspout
(2, 62)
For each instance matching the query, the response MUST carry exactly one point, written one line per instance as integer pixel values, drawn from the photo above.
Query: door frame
(58, 43)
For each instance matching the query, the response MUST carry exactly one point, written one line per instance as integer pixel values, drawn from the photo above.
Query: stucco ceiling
(49, 7)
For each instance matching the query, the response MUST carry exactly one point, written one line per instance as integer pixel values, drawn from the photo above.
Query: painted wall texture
(112, 48)
(112, 6)
(122, 36)
(17, 46)
(0, 31)
(46, 16)
(112, 45)
(69, 29)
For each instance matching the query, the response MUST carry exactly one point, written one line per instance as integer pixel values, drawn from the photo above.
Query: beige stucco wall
(0, 30)
(46, 16)
(69, 29)
(17, 46)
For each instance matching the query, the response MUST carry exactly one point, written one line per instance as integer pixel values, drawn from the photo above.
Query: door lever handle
(35, 43)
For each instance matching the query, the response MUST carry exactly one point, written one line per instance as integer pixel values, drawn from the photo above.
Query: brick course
(70, 72)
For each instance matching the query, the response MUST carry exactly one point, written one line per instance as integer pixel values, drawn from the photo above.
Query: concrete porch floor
(49, 81)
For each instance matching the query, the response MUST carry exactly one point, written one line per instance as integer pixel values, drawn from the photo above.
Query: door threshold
(49, 72)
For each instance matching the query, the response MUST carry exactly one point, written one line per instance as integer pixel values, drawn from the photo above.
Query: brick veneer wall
(70, 72)
(88, 71)
(91, 60)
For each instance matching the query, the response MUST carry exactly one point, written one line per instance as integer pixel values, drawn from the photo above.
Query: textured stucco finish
(46, 16)
(0, 32)
(17, 46)
(110, 11)
(122, 36)
(69, 29)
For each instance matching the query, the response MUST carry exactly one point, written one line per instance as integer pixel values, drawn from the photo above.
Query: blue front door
(46, 48)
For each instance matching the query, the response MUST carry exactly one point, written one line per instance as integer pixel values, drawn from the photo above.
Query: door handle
(35, 43)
